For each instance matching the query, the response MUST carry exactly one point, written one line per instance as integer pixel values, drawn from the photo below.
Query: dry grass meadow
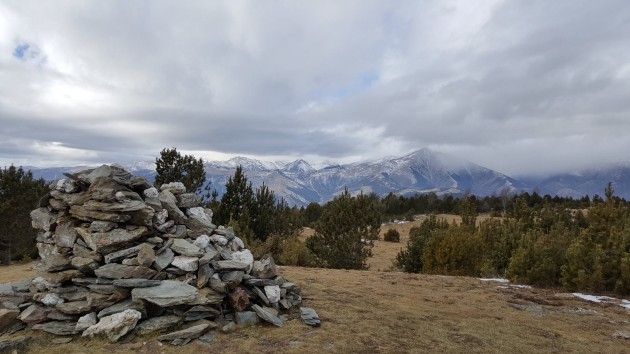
(379, 311)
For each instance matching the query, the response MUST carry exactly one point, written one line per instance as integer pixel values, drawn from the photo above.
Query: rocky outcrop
(119, 256)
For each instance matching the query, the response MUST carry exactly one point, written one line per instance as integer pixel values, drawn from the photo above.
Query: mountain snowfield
(422, 171)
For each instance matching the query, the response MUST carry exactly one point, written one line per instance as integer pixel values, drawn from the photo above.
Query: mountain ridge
(421, 171)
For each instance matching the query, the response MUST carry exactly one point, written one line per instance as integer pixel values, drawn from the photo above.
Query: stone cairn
(119, 257)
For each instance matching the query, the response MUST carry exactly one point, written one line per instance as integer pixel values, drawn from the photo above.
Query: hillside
(390, 312)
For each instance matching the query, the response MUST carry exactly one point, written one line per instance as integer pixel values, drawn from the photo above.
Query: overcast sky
(523, 87)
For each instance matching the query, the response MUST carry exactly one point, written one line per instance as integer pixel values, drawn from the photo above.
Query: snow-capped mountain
(422, 171)
(247, 163)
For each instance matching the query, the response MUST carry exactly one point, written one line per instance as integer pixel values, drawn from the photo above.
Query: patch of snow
(395, 222)
(498, 280)
(592, 298)
(514, 286)
(605, 299)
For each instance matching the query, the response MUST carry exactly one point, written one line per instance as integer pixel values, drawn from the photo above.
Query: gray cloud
(525, 87)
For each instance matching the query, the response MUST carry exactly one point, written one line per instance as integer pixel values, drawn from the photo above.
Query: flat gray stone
(137, 305)
(203, 275)
(122, 254)
(55, 263)
(42, 218)
(168, 293)
(229, 266)
(185, 248)
(261, 295)
(169, 202)
(65, 235)
(109, 290)
(267, 316)
(115, 326)
(188, 264)
(265, 268)
(57, 328)
(119, 271)
(86, 321)
(35, 314)
(158, 324)
(208, 337)
(246, 318)
(143, 217)
(229, 327)
(46, 250)
(174, 187)
(48, 299)
(84, 214)
(107, 242)
(146, 255)
(8, 318)
(84, 252)
(125, 206)
(84, 265)
(210, 255)
(188, 200)
(136, 283)
(259, 282)
(74, 308)
(56, 315)
(310, 317)
(70, 199)
(102, 226)
(200, 312)
(232, 279)
(60, 277)
(91, 281)
(198, 220)
(273, 293)
(187, 333)
(163, 259)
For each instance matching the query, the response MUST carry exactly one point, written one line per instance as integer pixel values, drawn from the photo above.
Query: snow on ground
(603, 299)
(497, 280)
(395, 222)
(593, 298)
(514, 286)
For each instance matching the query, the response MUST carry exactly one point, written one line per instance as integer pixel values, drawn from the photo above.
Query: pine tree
(171, 166)
(19, 194)
(263, 212)
(341, 235)
(236, 202)
(468, 211)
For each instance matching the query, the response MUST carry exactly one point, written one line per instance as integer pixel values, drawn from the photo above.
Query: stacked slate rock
(119, 256)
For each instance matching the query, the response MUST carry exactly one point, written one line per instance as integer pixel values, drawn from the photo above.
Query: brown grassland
(378, 311)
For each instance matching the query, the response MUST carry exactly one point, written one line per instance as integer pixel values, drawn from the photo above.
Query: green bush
(392, 235)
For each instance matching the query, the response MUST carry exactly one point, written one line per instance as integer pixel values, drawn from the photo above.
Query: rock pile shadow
(120, 257)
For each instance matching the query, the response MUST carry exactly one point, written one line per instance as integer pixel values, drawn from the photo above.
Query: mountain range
(422, 171)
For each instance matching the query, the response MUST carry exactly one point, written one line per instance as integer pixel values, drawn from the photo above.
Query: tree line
(546, 245)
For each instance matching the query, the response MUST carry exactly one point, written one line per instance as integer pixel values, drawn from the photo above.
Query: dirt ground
(391, 312)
